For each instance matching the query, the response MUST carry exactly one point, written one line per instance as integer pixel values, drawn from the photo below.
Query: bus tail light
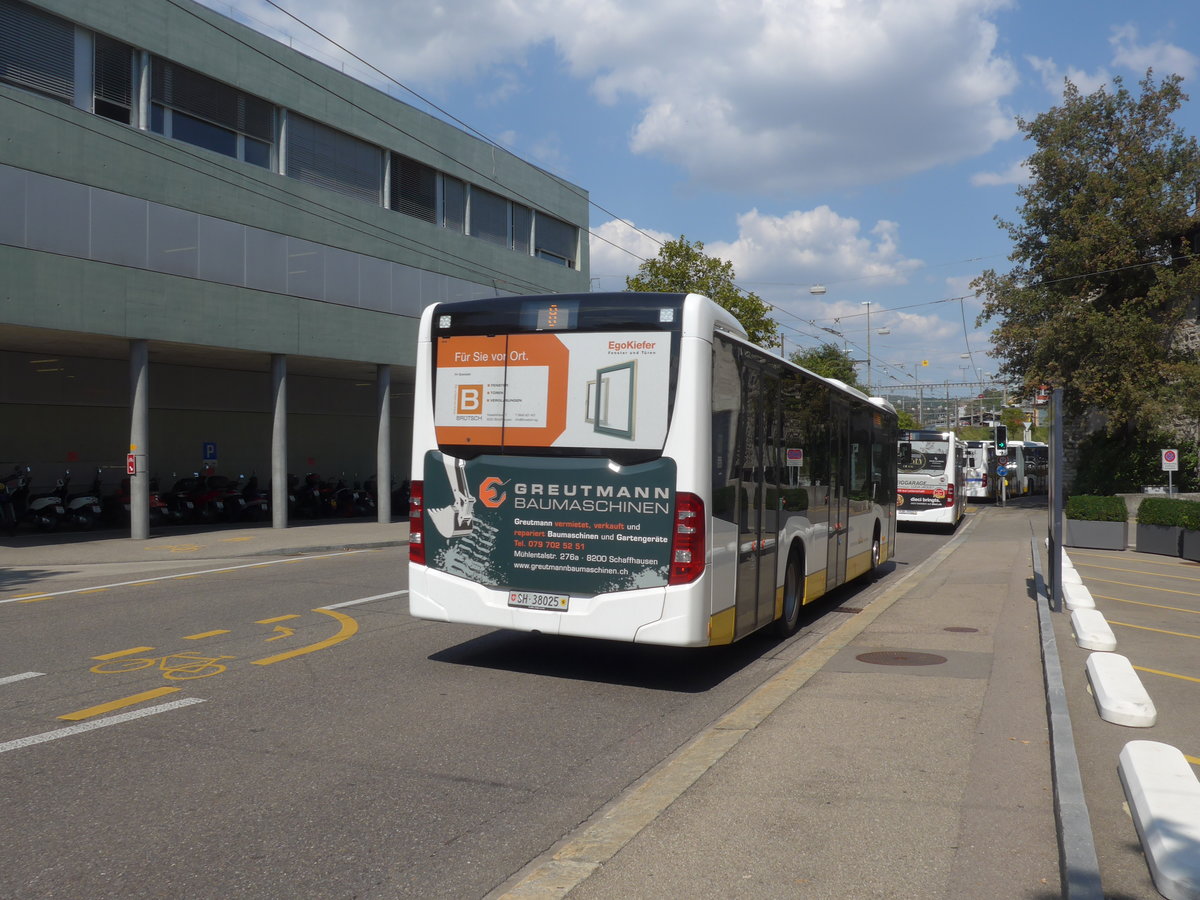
(688, 542)
(416, 523)
(949, 495)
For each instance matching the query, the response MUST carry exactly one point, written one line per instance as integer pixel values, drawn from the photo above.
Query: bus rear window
(603, 393)
(923, 457)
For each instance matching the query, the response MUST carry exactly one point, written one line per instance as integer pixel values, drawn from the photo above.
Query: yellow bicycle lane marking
(348, 629)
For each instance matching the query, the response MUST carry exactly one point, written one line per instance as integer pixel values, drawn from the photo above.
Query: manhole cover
(901, 658)
(961, 630)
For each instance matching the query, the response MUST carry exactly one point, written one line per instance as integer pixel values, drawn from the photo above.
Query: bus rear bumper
(653, 615)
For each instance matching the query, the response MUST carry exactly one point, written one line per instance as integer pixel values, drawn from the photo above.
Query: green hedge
(1090, 508)
(1119, 464)
(1170, 511)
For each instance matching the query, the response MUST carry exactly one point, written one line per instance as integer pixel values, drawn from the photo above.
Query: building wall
(107, 230)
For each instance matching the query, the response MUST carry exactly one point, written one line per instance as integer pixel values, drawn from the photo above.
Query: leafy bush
(1171, 512)
(1115, 464)
(1090, 508)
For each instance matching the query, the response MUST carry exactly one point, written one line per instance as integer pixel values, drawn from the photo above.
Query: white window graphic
(611, 400)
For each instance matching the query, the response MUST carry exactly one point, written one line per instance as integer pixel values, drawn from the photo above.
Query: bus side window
(726, 419)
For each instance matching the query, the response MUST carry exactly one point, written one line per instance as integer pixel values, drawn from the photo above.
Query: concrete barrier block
(1092, 631)
(1070, 576)
(1076, 596)
(1164, 799)
(1119, 694)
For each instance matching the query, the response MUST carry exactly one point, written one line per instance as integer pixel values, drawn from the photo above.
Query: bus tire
(876, 549)
(793, 595)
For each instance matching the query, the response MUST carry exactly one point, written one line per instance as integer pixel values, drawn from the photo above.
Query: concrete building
(214, 249)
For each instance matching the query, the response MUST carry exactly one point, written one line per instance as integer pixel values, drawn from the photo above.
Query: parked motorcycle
(182, 500)
(119, 504)
(219, 498)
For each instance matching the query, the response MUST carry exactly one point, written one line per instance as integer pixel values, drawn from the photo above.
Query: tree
(682, 267)
(1105, 271)
(828, 361)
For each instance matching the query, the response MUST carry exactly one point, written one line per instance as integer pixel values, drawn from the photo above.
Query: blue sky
(863, 145)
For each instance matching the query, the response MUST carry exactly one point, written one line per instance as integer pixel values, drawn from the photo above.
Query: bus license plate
(533, 600)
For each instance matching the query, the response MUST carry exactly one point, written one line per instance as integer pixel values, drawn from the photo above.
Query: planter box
(1163, 539)
(1095, 535)
(1191, 546)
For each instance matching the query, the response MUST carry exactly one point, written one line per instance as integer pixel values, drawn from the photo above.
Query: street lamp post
(867, 304)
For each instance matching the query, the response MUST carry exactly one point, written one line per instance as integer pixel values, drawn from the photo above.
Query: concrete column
(383, 445)
(139, 439)
(279, 485)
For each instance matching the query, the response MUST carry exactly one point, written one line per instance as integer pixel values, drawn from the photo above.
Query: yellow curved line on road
(349, 628)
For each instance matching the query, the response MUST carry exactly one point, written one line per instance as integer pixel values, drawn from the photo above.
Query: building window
(454, 203)
(556, 241)
(112, 79)
(37, 50)
(319, 155)
(489, 217)
(522, 228)
(193, 108)
(413, 189)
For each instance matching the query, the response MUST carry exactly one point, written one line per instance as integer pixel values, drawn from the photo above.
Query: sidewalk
(180, 543)
(914, 763)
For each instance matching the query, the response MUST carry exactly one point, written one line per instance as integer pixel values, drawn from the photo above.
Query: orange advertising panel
(487, 385)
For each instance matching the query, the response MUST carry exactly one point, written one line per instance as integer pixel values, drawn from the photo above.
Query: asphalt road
(261, 728)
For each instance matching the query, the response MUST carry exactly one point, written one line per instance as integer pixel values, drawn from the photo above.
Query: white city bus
(980, 470)
(931, 478)
(631, 467)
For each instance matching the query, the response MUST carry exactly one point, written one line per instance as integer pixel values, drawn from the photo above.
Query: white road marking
(57, 733)
(364, 600)
(9, 679)
(270, 562)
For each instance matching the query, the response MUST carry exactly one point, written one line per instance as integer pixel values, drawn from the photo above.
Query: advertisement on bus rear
(590, 389)
(554, 526)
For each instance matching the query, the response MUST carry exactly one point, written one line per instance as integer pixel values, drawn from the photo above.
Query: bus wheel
(876, 552)
(793, 596)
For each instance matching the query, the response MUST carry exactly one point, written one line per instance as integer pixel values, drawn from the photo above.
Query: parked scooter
(80, 510)
(257, 501)
(44, 511)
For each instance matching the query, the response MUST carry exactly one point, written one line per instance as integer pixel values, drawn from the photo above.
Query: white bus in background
(1034, 466)
(629, 466)
(979, 470)
(930, 478)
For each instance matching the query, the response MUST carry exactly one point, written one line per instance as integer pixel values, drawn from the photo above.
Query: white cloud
(781, 96)
(1164, 58)
(617, 248)
(1017, 173)
(1128, 55)
(777, 257)
(809, 246)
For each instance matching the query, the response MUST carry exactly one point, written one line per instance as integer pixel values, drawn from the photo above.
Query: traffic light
(1002, 440)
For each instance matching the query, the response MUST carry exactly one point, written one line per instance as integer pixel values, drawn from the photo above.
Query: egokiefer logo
(490, 493)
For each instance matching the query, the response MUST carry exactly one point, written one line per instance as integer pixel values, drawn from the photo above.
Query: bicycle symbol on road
(175, 666)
